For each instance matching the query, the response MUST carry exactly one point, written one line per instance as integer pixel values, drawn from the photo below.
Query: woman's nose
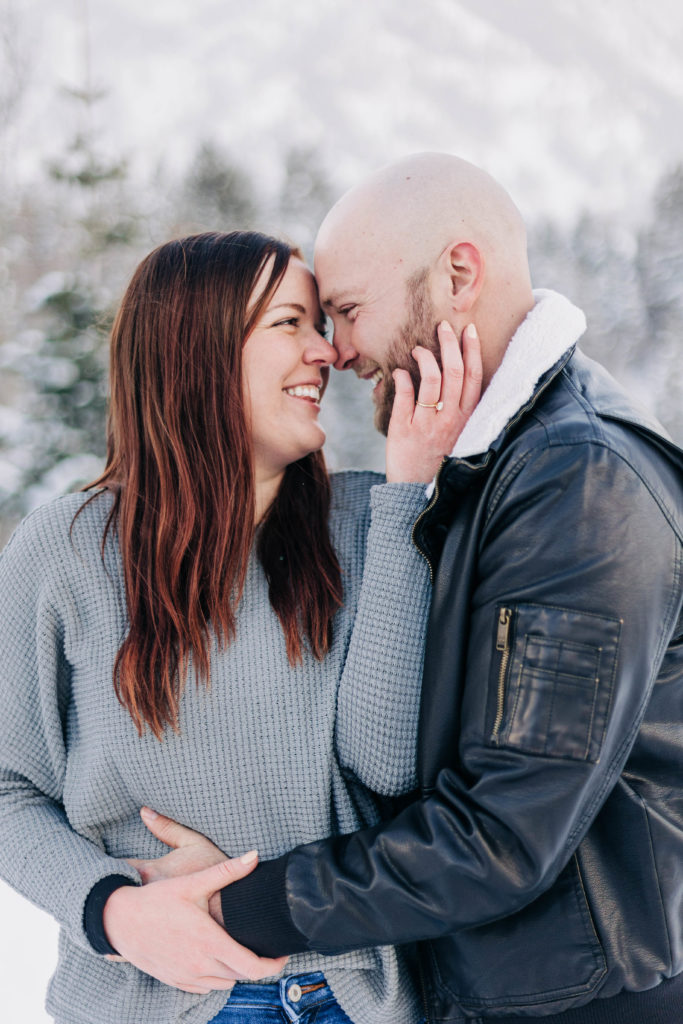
(320, 350)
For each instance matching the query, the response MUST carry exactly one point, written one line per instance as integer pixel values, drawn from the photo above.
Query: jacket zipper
(423, 513)
(423, 988)
(503, 646)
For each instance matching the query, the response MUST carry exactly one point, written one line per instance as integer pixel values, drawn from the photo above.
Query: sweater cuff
(256, 913)
(397, 500)
(94, 908)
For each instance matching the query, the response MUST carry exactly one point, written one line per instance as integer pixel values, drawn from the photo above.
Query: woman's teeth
(304, 391)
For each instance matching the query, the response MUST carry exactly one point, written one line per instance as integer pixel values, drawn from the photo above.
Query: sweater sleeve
(379, 692)
(41, 855)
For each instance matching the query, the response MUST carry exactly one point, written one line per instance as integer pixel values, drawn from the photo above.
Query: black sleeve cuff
(94, 907)
(256, 913)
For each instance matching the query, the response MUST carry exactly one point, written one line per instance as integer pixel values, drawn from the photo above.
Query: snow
(65, 476)
(28, 954)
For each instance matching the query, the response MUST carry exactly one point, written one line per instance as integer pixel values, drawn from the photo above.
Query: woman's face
(285, 367)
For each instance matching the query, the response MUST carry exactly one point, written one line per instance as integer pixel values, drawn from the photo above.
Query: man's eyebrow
(335, 299)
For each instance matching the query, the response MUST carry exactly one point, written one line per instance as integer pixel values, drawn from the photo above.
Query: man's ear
(461, 275)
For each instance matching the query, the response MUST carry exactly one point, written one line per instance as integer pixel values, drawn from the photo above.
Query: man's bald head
(430, 229)
(415, 207)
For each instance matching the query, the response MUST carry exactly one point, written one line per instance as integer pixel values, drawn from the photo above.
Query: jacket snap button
(294, 993)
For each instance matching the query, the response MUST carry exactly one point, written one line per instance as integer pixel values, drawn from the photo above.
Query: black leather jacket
(542, 864)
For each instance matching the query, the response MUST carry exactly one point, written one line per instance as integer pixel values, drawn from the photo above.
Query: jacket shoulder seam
(547, 445)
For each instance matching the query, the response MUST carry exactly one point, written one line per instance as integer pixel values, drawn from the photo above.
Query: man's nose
(347, 354)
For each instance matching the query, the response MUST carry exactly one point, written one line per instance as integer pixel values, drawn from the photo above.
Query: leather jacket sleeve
(576, 595)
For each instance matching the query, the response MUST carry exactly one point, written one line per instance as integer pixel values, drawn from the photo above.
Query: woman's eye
(292, 321)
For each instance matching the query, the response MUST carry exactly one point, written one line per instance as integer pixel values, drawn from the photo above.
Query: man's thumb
(210, 880)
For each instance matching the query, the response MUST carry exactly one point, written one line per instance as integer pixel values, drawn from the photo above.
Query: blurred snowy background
(123, 124)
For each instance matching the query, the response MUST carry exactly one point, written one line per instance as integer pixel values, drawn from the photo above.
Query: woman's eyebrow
(289, 305)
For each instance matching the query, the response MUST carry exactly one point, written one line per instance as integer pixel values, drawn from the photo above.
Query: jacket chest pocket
(553, 680)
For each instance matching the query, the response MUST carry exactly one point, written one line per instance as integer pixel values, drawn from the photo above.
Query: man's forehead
(348, 276)
(341, 278)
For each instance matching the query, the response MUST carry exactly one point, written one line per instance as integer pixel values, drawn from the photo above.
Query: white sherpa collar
(549, 329)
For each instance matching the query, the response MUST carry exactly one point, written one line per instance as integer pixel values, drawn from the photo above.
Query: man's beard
(418, 329)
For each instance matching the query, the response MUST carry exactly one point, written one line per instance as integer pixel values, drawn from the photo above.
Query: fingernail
(446, 326)
(471, 331)
(148, 813)
(249, 858)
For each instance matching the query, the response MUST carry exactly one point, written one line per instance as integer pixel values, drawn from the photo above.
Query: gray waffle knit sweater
(269, 757)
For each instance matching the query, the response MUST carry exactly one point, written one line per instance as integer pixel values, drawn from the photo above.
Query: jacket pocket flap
(556, 670)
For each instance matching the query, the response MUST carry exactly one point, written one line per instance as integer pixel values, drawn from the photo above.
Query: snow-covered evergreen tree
(216, 194)
(660, 266)
(55, 354)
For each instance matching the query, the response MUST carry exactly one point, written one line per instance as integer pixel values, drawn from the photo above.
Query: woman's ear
(461, 272)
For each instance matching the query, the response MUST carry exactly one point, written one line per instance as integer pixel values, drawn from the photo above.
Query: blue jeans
(296, 999)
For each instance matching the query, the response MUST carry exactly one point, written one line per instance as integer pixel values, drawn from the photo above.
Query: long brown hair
(179, 466)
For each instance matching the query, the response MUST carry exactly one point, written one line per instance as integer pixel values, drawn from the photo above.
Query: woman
(213, 631)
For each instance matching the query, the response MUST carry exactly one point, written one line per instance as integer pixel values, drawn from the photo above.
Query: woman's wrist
(99, 898)
(395, 501)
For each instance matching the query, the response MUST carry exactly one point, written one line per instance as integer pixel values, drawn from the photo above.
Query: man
(540, 866)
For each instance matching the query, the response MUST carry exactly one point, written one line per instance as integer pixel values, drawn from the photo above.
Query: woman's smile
(310, 393)
(286, 359)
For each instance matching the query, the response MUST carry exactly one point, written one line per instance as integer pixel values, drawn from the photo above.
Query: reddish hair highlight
(179, 466)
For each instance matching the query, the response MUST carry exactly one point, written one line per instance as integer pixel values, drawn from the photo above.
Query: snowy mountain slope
(569, 103)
